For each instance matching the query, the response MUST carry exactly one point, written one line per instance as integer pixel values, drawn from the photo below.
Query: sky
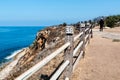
(52, 12)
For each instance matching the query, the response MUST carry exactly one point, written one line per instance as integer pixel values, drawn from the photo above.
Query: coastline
(14, 54)
(14, 57)
(8, 66)
(11, 57)
(15, 38)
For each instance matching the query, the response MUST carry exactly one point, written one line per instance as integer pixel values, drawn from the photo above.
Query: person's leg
(100, 28)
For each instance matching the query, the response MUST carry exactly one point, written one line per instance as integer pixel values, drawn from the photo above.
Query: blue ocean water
(15, 38)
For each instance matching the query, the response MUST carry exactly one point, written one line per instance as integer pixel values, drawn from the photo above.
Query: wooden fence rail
(70, 61)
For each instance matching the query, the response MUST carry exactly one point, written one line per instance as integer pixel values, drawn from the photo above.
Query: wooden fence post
(91, 31)
(68, 55)
(83, 39)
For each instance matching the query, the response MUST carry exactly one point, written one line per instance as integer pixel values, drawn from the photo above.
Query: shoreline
(13, 40)
(8, 66)
(13, 59)
(10, 57)
(13, 54)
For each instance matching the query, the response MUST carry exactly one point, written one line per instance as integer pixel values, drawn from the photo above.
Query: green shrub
(112, 20)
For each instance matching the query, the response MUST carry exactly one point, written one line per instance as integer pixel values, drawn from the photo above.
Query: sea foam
(14, 54)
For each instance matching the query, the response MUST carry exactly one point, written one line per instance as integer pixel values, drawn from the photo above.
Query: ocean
(13, 39)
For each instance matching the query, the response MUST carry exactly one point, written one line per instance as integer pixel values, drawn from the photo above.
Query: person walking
(101, 24)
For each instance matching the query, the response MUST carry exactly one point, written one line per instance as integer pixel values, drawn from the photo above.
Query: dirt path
(102, 59)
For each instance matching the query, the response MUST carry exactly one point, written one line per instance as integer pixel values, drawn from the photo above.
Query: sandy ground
(113, 30)
(102, 59)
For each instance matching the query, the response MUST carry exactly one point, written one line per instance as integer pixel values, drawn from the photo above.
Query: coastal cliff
(45, 43)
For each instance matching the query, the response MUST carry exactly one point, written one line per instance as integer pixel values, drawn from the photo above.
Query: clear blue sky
(50, 12)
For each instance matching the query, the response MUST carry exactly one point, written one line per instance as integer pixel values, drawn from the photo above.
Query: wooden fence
(71, 55)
